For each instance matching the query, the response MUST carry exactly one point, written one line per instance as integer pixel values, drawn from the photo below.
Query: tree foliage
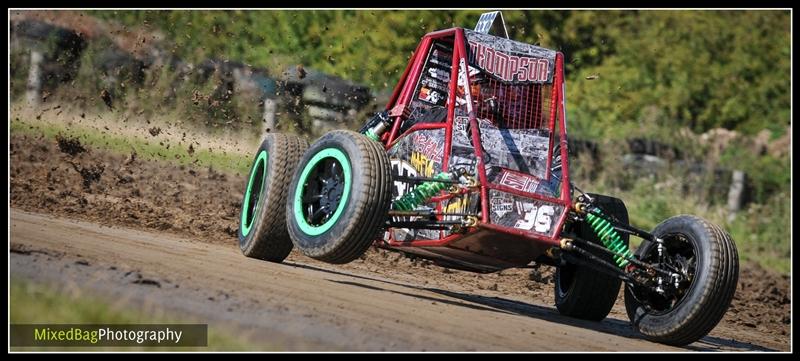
(699, 69)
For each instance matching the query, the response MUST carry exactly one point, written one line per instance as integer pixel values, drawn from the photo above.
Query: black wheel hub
(323, 192)
(663, 293)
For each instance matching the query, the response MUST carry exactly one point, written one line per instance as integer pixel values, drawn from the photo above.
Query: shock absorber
(609, 236)
(421, 193)
(377, 126)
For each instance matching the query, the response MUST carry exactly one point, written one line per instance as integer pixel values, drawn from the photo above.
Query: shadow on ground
(503, 305)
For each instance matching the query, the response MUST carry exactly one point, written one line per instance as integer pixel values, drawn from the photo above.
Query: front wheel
(682, 311)
(339, 197)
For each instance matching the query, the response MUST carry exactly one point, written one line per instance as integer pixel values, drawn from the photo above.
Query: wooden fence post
(735, 194)
(33, 91)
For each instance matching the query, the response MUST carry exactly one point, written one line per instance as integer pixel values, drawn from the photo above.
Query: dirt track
(384, 301)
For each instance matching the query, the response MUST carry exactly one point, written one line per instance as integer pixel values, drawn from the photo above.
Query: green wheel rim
(252, 196)
(300, 219)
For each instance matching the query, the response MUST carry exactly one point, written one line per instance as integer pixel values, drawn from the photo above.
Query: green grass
(171, 152)
(38, 303)
(763, 233)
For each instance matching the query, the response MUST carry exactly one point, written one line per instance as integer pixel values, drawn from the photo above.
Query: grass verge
(154, 150)
(31, 303)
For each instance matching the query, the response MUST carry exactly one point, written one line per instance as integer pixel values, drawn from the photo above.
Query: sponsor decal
(405, 169)
(440, 74)
(431, 146)
(539, 219)
(459, 160)
(462, 79)
(474, 88)
(509, 67)
(522, 150)
(485, 22)
(501, 205)
(422, 164)
(544, 219)
(456, 205)
(432, 114)
(440, 62)
(460, 125)
(429, 95)
(435, 84)
(519, 181)
(417, 110)
(401, 167)
(524, 213)
(440, 54)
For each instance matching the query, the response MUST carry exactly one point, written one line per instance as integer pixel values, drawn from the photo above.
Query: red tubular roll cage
(401, 97)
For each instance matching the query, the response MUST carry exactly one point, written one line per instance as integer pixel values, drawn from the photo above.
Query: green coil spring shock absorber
(422, 193)
(609, 236)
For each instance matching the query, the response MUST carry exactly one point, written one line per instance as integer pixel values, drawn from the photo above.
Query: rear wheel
(688, 308)
(580, 291)
(340, 197)
(262, 220)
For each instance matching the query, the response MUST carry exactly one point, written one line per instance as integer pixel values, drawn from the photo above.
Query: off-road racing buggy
(468, 167)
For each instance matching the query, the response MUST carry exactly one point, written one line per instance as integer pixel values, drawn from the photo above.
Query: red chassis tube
(401, 97)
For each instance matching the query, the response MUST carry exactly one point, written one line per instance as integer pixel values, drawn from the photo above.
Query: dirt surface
(382, 301)
(123, 189)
